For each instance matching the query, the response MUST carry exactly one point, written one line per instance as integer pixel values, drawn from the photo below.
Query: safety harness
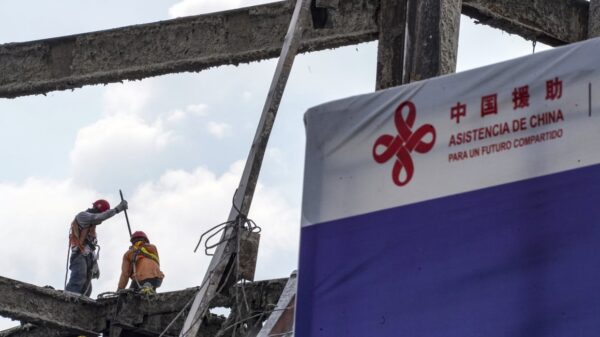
(80, 237)
(140, 250)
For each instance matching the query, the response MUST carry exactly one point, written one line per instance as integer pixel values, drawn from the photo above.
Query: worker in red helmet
(142, 264)
(83, 242)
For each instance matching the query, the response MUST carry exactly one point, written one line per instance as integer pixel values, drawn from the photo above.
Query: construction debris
(51, 312)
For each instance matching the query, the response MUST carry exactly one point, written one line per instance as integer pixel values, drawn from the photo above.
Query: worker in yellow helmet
(142, 264)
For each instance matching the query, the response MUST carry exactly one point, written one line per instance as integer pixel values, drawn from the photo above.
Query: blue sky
(175, 144)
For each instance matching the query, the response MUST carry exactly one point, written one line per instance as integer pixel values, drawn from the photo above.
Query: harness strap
(141, 250)
(149, 255)
(79, 236)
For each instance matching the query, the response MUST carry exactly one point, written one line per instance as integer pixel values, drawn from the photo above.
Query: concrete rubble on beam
(52, 313)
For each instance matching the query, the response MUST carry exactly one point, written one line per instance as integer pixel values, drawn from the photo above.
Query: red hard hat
(139, 235)
(101, 205)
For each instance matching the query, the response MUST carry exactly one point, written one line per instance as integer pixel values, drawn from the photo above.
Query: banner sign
(466, 205)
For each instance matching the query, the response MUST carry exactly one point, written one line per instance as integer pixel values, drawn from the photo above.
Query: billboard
(466, 205)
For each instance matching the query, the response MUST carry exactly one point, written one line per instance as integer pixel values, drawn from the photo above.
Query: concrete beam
(244, 35)
(186, 44)
(49, 308)
(554, 22)
(30, 330)
(161, 303)
(134, 314)
(594, 19)
(54, 313)
(251, 304)
(129, 314)
(259, 294)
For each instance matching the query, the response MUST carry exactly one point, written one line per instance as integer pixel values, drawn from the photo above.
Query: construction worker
(141, 264)
(82, 239)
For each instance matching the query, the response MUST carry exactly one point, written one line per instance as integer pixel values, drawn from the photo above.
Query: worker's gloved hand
(121, 206)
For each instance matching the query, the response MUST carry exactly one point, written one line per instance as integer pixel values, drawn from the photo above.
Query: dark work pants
(155, 282)
(80, 280)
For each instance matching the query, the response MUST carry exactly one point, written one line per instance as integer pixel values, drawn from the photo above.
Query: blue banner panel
(517, 259)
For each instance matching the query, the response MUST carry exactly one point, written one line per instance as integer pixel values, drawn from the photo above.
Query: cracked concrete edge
(32, 304)
(135, 312)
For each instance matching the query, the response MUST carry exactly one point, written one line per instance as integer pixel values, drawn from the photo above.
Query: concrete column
(594, 19)
(418, 39)
(433, 29)
(391, 50)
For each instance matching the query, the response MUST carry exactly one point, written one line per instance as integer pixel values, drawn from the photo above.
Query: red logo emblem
(403, 144)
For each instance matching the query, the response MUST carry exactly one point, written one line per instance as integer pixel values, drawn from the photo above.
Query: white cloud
(127, 98)
(275, 157)
(35, 218)
(117, 149)
(194, 7)
(198, 109)
(278, 252)
(176, 116)
(219, 130)
(134, 141)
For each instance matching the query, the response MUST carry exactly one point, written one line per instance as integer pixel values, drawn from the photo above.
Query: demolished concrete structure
(418, 39)
(55, 313)
(252, 34)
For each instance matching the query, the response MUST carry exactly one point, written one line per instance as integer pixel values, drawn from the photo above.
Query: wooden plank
(243, 198)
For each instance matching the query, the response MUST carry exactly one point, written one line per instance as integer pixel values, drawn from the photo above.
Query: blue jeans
(80, 281)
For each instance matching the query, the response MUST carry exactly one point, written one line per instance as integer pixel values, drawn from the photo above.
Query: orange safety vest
(79, 237)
